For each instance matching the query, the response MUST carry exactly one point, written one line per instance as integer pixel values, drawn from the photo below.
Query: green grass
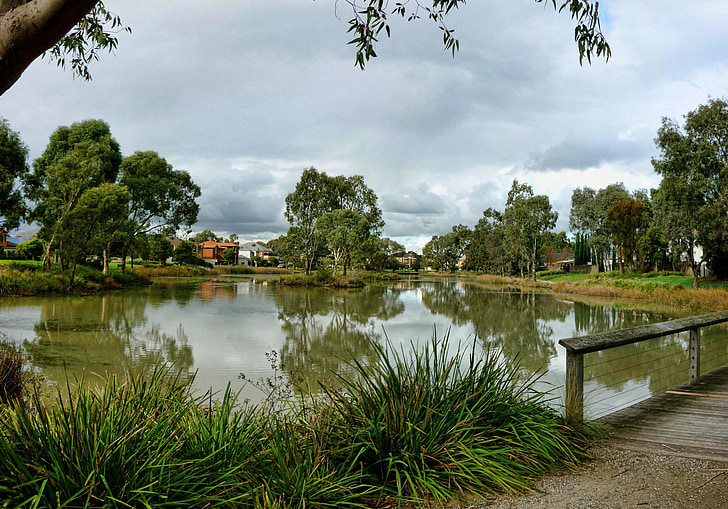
(436, 424)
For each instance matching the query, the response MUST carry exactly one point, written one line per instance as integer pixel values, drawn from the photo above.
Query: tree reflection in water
(326, 330)
(513, 322)
(97, 335)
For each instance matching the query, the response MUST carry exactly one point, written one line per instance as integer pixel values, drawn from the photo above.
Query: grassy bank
(673, 291)
(326, 278)
(427, 426)
(31, 279)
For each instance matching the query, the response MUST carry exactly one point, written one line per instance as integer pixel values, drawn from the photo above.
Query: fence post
(574, 387)
(694, 356)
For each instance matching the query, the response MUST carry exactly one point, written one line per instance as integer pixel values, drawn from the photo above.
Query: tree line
(681, 224)
(89, 199)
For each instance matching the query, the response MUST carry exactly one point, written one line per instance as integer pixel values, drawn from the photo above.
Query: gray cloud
(245, 95)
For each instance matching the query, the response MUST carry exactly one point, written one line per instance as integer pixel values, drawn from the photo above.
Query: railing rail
(576, 347)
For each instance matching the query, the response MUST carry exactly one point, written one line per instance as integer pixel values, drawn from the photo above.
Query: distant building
(211, 251)
(250, 249)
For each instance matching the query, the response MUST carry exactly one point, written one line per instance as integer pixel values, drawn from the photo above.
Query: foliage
(370, 18)
(13, 169)
(229, 256)
(444, 252)
(160, 196)
(160, 248)
(486, 250)
(440, 423)
(95, 32)
(30, 250)
(205, 235)
(78, 158)
(691, 204)
(525, 218)
(316, 194)
(186, 254)
(344, 232)
(627, 222)
(444, 423)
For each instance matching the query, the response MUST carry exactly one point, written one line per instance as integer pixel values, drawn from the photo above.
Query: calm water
(223, 327)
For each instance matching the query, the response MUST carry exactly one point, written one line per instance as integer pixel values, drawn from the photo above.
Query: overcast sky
(247, 94)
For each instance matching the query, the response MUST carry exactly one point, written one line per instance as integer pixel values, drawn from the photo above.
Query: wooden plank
(690, 422)
(620, 337)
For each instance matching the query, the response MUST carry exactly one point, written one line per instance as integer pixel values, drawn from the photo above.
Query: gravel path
(627, 479)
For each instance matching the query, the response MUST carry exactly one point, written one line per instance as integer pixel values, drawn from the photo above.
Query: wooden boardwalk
(690, 421)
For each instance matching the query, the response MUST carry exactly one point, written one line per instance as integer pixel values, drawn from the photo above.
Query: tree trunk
(106, 260)
(29, 29)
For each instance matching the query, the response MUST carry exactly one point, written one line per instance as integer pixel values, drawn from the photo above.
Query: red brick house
(211, 251)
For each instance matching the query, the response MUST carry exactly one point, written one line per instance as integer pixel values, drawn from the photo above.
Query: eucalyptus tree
(75, 31)
(526, 217)
(344, 231)
(691, 203)
(160, 197)
(486, 250)
(627, 221)
(91, 224)
(317, 194)
(588, 216)
(77, 158)
(13, 171)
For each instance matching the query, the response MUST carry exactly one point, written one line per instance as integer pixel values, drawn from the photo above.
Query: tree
(316, 194)
(588, 216)
(77, 158)
(161, 197)
(13, 169)
(691, 203)
(31, 250)
(378, 253)
(76, 30)
(486, 250)
(229, 256)
(185, 254)
(344, 231)
(652, 248)
(626, 222)
(91, 223)
(160, 248)
(445, 252)
(526, 218)
(205, 235)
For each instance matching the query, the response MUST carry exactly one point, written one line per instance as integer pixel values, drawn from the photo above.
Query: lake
(222, 327)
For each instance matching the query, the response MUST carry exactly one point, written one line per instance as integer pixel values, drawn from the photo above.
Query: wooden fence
(576, 347)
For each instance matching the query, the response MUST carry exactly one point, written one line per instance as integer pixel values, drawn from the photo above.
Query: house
(5, 243)
(250, 249)
(211, 251)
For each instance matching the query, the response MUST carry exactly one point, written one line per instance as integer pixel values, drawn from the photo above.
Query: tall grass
(442, 424)
(433, 425)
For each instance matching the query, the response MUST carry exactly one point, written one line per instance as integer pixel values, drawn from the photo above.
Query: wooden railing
(576, 347)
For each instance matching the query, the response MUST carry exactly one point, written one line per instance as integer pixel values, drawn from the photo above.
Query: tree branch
(29, 29)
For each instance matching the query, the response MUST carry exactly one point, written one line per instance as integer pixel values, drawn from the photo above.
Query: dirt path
(628, 479)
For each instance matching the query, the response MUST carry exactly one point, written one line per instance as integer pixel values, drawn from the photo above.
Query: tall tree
(343, 231)
(161, 197)
(75, 31)
(13, 170)
(77, 158)
(526, 217)
(92, 223)
(316, 194)
(626, 223)
(691, 203)
(486, 250)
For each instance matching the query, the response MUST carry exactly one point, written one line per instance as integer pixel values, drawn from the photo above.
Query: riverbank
(431, 426)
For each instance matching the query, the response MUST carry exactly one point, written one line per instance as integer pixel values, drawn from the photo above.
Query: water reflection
(222, 327)
(325, 331)
(516, 323)
(100, 334)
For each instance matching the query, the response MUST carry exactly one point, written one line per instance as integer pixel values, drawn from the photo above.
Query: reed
(444, 424)
(438, 424)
